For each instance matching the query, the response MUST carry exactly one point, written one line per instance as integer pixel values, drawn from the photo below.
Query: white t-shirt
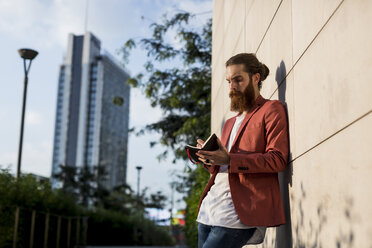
(217, 208)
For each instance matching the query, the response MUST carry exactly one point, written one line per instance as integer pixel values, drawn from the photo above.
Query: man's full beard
(242, 101)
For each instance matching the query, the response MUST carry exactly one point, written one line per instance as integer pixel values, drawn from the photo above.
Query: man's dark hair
(251, 65)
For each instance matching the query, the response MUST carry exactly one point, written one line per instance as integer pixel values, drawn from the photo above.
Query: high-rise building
(92, 113)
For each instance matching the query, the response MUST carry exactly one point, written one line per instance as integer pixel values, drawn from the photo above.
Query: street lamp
(26, 54)
(138, 183)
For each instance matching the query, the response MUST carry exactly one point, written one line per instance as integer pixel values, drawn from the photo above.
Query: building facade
(319, 54)
(92, 114)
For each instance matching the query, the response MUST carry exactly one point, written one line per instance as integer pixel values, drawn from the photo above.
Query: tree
(121, 199)
(157, 200)
(178, 80)
(84, 183)
(69, 179)
(182, 90)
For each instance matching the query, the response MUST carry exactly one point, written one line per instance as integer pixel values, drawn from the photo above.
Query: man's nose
(233, 86)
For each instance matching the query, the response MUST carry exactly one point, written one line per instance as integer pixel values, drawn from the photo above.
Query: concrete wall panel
(276, 52)
(239, 45)
(218, 76)
(217, 61)
(228, 9)
(330, 192)
(276, 49)
(234, 26)
(218, 113)
(331, 82)
(321, 52)
(258, 17)
(308, 18)
(217, 35)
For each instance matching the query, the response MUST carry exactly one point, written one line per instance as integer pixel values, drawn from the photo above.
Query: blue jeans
(222, 237)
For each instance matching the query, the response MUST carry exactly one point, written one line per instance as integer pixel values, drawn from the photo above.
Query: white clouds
(18, 16)
(47, 23)
(43, 23)
(33, 118)
(141, 112)
(196, 7)
(8, 158)
(66, 17)
(37, 158)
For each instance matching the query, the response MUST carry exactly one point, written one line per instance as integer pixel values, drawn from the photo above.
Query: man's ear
(256, 78)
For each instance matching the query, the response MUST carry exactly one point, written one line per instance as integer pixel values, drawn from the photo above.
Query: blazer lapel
(259, 102)
(227, 131)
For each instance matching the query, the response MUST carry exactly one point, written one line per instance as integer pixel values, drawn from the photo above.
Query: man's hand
(200, 143)
(218, 157)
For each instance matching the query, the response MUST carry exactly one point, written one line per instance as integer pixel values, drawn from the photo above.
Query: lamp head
(138, 167)
(26, 53)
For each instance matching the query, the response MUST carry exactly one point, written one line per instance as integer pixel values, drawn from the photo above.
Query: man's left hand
(218, 157)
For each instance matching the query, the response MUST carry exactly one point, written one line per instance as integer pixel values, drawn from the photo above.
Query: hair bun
(264, 72)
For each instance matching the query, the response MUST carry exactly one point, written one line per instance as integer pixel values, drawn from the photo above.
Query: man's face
(242, 90)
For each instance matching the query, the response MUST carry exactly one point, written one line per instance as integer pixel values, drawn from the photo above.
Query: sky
(44, 25)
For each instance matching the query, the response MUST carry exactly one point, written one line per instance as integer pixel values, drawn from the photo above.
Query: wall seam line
(237, 41)
(308, 46)
(332, 135)
(230, 18)
(293, 86)
(268, 27)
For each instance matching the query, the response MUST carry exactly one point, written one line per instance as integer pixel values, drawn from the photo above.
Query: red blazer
(258, 153)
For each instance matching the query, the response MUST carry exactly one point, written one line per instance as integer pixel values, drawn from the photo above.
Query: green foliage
(29, 194)
(84, 184)
(119, 229)
(6, 226)
(178, 80)
(199, 177)
(118, 101)
(157, 200)
(121, 199)
(147, 233)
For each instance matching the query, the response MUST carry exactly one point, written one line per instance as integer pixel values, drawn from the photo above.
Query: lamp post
(138, 183)
(26, 54)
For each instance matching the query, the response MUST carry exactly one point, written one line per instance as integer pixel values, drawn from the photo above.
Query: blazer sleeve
(275, 157)
(209, 168)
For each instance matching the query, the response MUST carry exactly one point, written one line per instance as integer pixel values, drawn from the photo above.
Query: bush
(105, 227)
(199, 177)
(119, 229)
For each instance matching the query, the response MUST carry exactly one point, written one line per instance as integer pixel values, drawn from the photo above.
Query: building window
(91, 114)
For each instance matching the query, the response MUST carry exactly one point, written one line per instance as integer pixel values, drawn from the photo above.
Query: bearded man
(242, 196)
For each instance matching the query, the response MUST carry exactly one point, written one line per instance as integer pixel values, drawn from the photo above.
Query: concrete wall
(320, 58)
